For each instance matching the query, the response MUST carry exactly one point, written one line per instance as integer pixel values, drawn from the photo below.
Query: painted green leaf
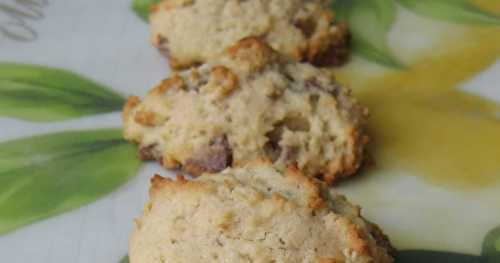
(427, 256)
(124, 260)
(38, 93)
(491, 246)
(460, 11)
(142, 7)
(47, 175)
(369, 21)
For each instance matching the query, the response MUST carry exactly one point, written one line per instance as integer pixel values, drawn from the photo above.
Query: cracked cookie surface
(253, 214)
(248, 105)
(194, 31)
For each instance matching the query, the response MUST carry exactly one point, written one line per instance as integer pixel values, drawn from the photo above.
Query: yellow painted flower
(436, 142)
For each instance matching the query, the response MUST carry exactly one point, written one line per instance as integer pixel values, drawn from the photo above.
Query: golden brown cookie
(248, 105)
(253, 214)
(191, 32)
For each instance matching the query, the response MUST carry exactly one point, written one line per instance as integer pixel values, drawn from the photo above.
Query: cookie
(248, 105)
(253, 214)
(193, 31)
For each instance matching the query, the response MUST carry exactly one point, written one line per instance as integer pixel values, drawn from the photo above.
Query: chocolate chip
(339, 50)
(306, 26)
(272, 148)
(313, 84)
(290, 154)
(163, 46)
(214, 158)
(146, 153)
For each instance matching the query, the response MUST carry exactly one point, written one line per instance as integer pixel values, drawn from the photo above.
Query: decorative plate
(429, 71)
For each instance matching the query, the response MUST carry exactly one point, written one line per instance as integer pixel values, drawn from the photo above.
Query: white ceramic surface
(105, 41)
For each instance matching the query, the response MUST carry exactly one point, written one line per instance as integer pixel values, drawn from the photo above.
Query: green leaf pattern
(459, 11)
(142, 7)
(369, 22)
(46, 175)
(491, 246)
(427, 256)
(38, 93)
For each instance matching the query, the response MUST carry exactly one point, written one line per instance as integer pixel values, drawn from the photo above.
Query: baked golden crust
(251, 53)
(194, 32)
(253, 214)
(290, 113)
